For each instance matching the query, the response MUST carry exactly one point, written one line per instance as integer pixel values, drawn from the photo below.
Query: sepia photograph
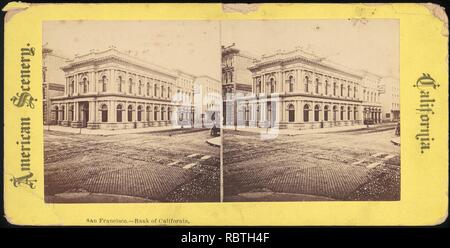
(131, 111)
(311, 110)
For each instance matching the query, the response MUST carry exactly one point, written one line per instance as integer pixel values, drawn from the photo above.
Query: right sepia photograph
(311, 110)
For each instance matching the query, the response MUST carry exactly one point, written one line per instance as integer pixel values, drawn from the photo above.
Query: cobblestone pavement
(352, 165)
(166, 166)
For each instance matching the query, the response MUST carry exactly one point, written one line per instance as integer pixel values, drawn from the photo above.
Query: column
(299, 110)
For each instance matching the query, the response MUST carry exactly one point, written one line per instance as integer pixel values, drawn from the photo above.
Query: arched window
(140, 87)
(56, 114)
(335, 110)
(148, 89)
(349, 113)
(63, 116)
(104, 110)
(169, 92)
(130, 86)
(120, 84)
(342, 90)
(258, 86)
(155, 93)
(325, 112)
(326, 87)
(130, 113)
(317, 86)
(316, 112)
(119, 113)
(163, 110)
(272, 85)
(355, 113)
(139, 113)
(306, 113)
(291, 83)
(104, 82)
(348, 90)
(342, 113)
(162, 90)
(231, 77)
(155, 114)
(306, 82)
(354, 92)
(149, 110)
(85, 85)
(71, 113)
(169, 113)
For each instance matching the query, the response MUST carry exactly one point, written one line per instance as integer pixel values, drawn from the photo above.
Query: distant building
(236, 82)
(390, 98)
(207, 101)
(371, 96)
(53, 80)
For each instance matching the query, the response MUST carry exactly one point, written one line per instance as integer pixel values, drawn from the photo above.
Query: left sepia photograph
(131, 111)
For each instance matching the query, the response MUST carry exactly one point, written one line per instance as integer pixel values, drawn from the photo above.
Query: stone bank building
(113, 90)
(298, 90)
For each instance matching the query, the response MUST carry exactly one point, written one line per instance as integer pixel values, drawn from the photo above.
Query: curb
(211, 143)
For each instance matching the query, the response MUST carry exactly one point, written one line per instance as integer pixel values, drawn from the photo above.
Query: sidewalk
(216, 141)
(293, 132)
(109, 132)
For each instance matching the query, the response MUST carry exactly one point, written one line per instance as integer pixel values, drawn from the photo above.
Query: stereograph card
(226, 114)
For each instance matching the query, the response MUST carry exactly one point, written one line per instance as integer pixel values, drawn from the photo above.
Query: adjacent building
(53, 80)
(207, 101)
(236, 82)
(113, 90)
(390, 98)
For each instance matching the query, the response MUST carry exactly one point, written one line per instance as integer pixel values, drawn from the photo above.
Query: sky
(371, 45)
(191, 46)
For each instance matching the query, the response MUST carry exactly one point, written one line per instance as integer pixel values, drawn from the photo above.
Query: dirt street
(351, 165)
(164, 167)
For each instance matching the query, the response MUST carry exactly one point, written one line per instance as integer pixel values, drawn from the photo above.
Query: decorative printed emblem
(24, 99)
(24, 180)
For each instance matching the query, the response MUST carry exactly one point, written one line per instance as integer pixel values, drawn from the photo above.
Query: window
(325, 113)
(348, 90)
(388, 115)
(169, 92)
(119, 113)
(169, 113)
(162, 113)
(291, 83)
(120, 84)
(130, 113)
(155, 93)
(162, 90)
(155, 114)
(354, 92)
(63, 117)
(306, 113)
(326, 87)
(342, 113)
(104, 110)
(104, 83)
(71, 113)
(71, 84)
(130, 86)
(306, 82)
(140, 87)
(148, 89)
(316, 112)
(139, 113)
(258, 86)
(342, 90)
(334, 112)
(148, 109)
(85, 85)
(317, 86)
(355, 113)
(272, 85)
(349, 112)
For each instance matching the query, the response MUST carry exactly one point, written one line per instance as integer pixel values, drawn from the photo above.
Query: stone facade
(297, 90)
(390, 98)
(207, 101)
(114, 90)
